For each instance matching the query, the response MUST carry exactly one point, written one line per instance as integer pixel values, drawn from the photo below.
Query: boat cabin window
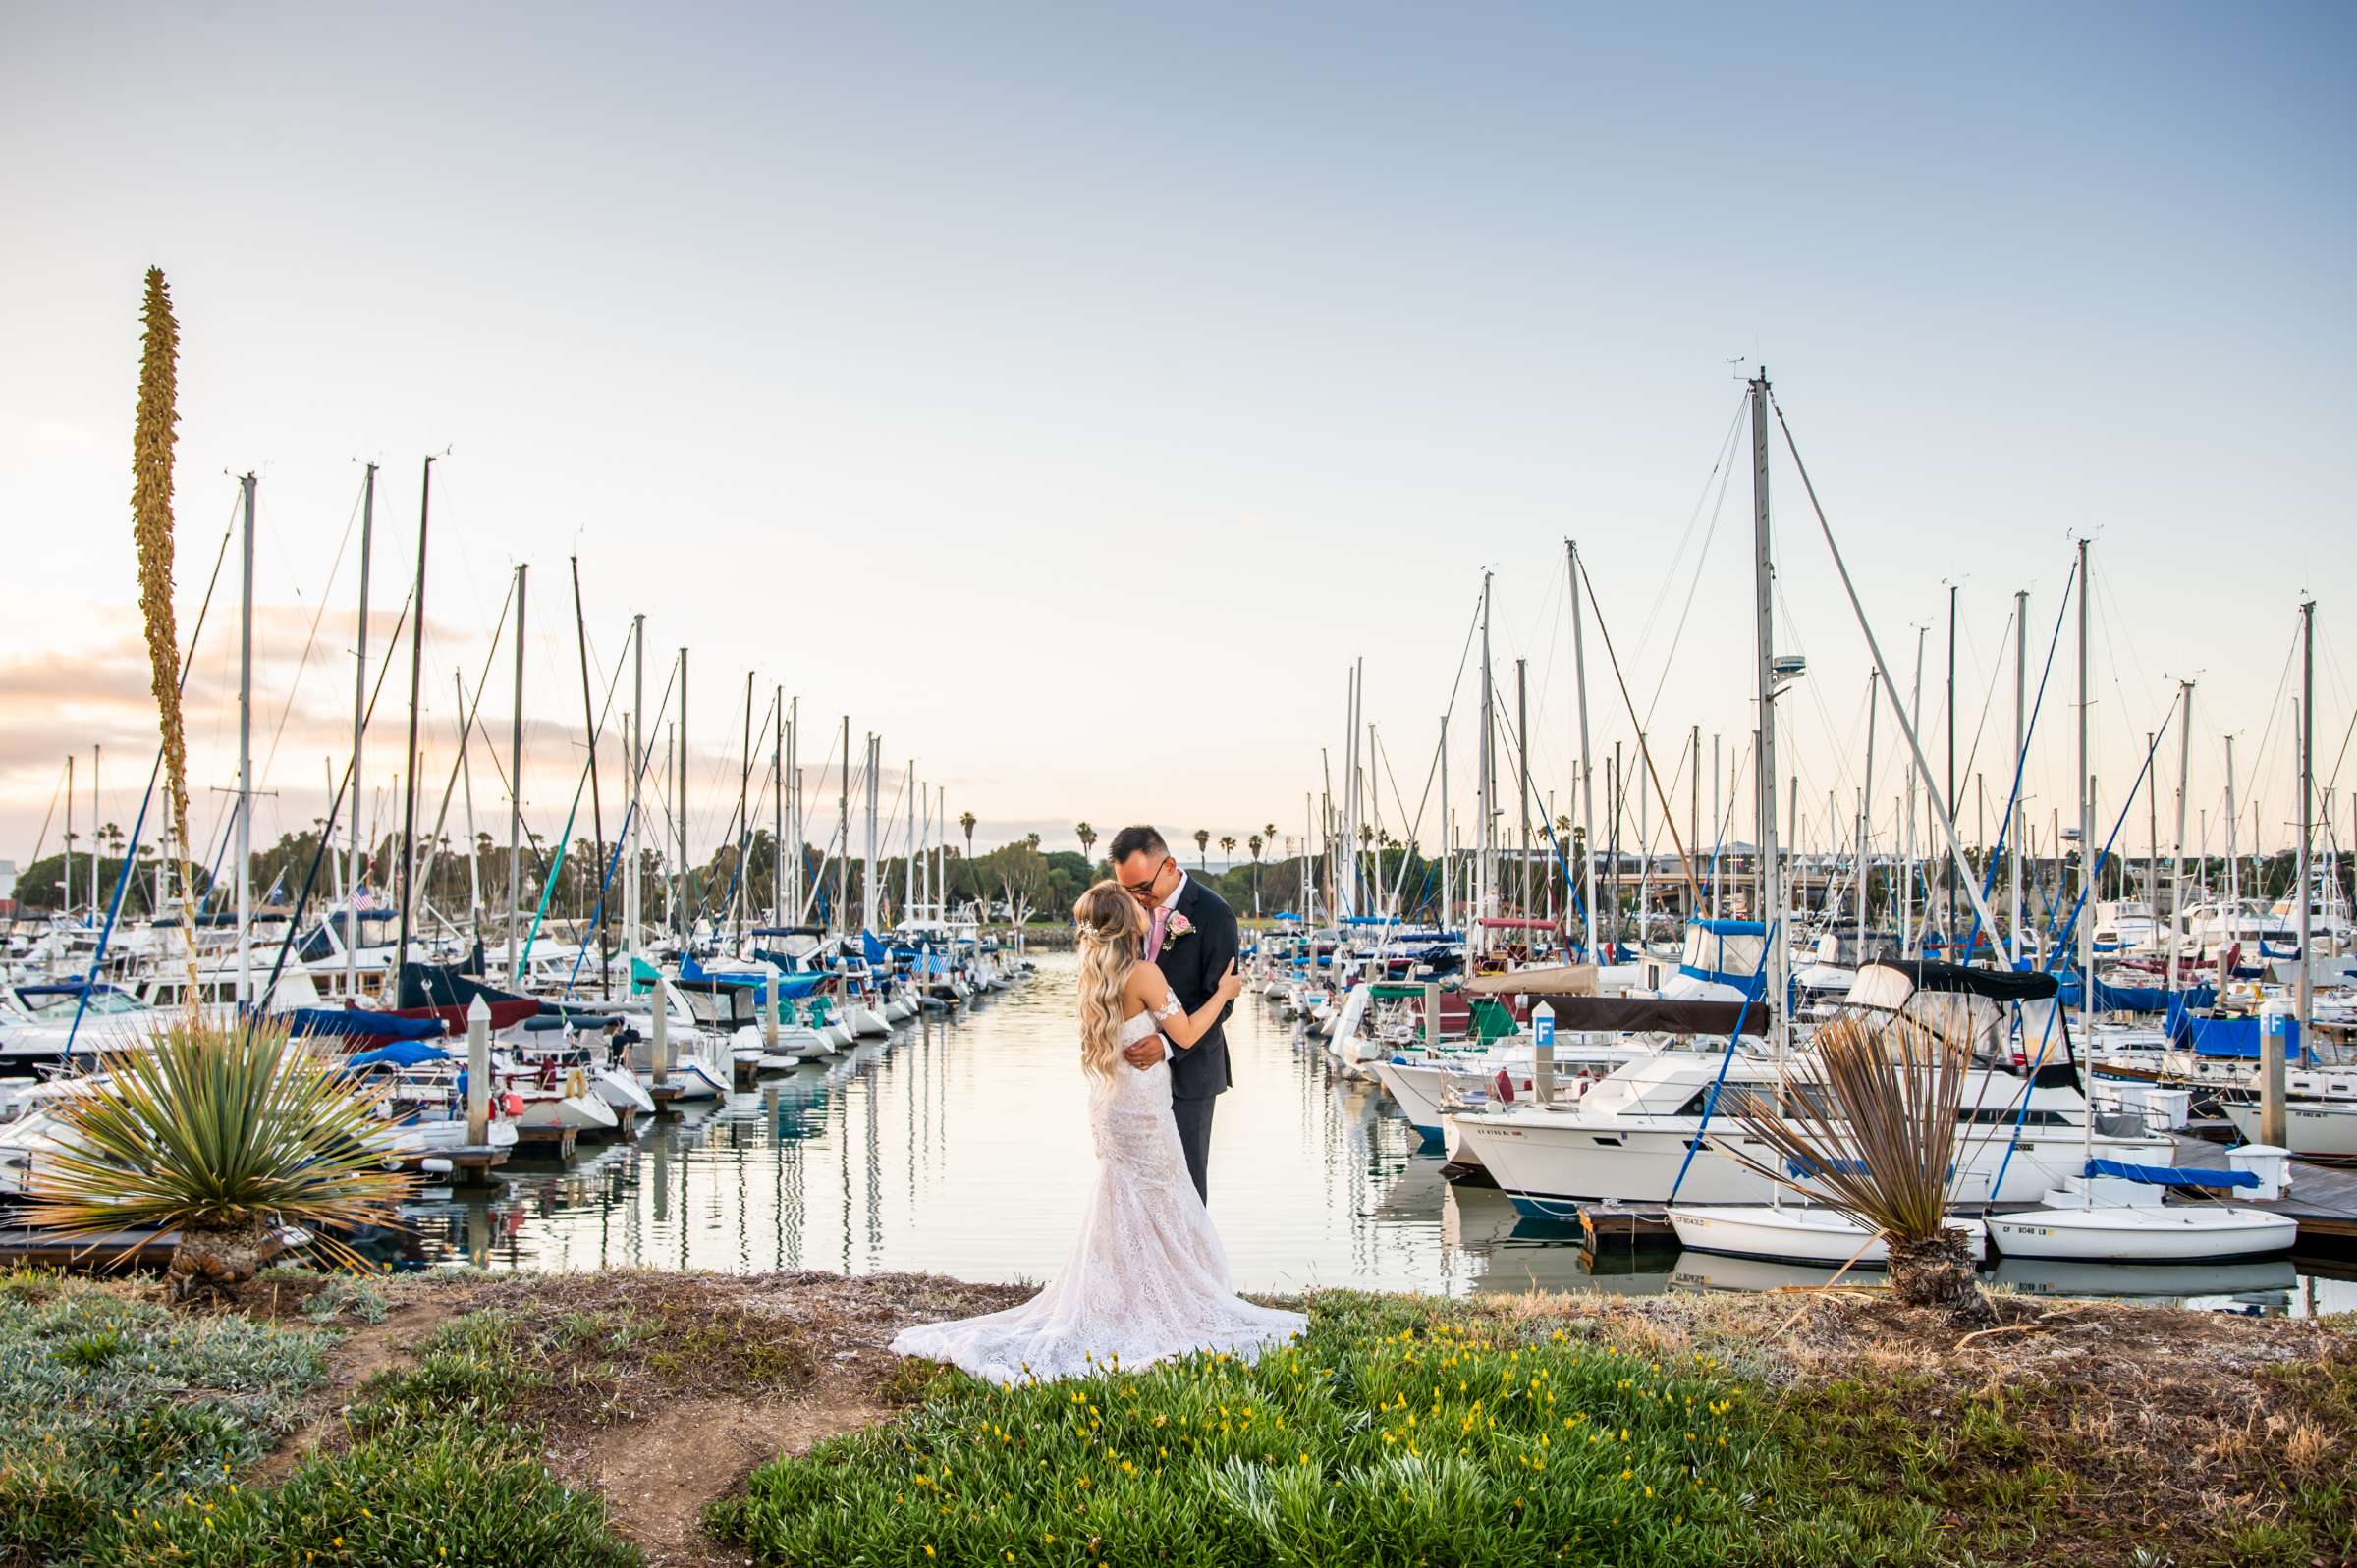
(2003, 1116)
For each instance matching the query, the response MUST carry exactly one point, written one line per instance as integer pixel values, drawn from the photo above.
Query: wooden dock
(1631, 1224)
(546, 1143)
(2323, 1197)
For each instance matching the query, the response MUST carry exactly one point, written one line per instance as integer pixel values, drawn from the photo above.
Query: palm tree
(1203, 848)
(1255, 844)
(1088, 840)
(967, 821)
(1226, 847)
(224, 1133)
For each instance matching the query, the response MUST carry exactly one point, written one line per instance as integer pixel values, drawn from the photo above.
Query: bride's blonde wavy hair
(1106, 921)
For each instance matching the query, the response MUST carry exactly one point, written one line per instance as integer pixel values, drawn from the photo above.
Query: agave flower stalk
(154, 430)
(225, 1131)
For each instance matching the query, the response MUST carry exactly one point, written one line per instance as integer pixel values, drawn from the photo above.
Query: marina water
(960, 1147)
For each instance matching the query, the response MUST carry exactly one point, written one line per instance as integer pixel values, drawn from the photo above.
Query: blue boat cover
(2110, 998)
(2230, 1039)
(2171, 1175)
(360, 1021)
(400, 1054)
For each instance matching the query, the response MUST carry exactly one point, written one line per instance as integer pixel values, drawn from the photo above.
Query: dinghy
(1802, 1233)
(2117, 1217)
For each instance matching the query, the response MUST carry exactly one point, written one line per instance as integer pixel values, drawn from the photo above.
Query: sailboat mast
(680, 915)
(408, 766)
(2307, 745)
(1587, 777)
(2086, 920)
(245, 848)
(359, 728)
(2176, 870)
(475, 870)
(515, 791)
(744, 823)
(2086, 794)
(869, 915)
(597, 806)
(1522, 779)
(1874, 704)
(1912, 934)
(794, 816)
(1447, 858)
(777, 815)
(633, 893)
(1772, 880)
(2021, 720)
(842, 861)
(1485, 788)
(2233, 854)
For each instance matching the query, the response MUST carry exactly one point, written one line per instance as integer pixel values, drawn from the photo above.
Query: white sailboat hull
(1546, 1166)
(1795, 1233)
(2143, 1233)
(2324, 1128)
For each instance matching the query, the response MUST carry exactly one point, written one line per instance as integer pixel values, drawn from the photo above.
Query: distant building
(8, 888)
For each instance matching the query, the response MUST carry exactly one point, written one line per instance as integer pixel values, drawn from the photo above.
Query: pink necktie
(1161, 922)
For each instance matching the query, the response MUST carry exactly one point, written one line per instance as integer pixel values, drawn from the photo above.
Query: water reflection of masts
(875, 1164)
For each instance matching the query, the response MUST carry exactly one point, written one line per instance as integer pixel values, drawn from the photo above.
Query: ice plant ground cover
(128, 1433)
(1411, 1430)
(636, 1417)
(1382, 1436)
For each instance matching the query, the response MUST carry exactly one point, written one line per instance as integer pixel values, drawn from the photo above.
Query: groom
(1191, 938)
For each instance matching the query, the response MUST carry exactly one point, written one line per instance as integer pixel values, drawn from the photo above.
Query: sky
(1070, 395)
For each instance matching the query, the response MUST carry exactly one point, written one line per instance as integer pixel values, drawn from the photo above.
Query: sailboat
(2112, 1211)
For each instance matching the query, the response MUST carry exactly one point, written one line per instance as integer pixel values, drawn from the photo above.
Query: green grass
(1393, 1432)
(1400, 1431)
(126, 1432)
(1405, 1432)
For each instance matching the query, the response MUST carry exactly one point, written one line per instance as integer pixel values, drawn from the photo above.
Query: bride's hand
(1232, 984)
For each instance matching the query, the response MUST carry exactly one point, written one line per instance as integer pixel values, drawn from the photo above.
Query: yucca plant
(224, 1132)
(1867, 1125)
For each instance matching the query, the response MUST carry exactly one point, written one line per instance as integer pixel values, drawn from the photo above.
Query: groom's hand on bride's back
(1146, 1054)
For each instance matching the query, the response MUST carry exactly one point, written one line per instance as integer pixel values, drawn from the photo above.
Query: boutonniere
(1179, 926)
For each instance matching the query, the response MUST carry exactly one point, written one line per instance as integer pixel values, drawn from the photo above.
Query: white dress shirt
(1170, 1052)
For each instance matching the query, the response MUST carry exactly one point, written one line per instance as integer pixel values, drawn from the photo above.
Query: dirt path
(659, 1474)
(359, 1356)
(675, 1434)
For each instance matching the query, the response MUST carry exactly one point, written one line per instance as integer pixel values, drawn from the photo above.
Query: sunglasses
(1140, 890)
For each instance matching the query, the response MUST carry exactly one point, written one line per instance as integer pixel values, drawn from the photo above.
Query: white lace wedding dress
(1146, 1280)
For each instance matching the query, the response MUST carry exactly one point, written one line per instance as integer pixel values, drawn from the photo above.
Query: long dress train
(1146, 1280)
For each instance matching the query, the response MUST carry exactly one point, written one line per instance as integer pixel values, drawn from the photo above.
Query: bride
(1146, 1280)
